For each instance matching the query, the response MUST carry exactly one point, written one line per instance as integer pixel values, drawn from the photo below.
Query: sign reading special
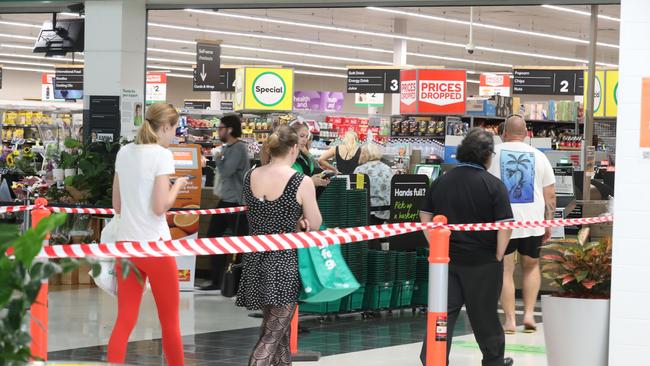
(264, 89)
(442, 91)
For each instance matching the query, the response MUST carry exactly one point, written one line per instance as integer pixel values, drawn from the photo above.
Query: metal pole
(589, 103)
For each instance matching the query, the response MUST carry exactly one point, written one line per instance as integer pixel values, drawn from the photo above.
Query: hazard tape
(274, 242)
(110, 211)
(13, 209)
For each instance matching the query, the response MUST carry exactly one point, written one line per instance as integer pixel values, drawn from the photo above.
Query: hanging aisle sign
(371, 80)
(156, 87)
(208, 62)
(494, 84)
(68, 82)
(264, 89)
(548, 81)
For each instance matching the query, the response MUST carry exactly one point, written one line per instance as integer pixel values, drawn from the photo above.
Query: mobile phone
(328, 174)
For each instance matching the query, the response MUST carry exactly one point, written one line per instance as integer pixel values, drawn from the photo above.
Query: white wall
(630, 318)
(20, 85)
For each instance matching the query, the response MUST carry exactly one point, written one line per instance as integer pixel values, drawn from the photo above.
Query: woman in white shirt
(142, 194)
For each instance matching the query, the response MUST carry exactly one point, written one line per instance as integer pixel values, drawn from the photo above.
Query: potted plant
(52, 162)
(70, 157)
(576, 319)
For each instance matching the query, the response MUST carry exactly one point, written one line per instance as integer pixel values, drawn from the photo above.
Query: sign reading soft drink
(441, 91)
(494, 84)
(408, 92)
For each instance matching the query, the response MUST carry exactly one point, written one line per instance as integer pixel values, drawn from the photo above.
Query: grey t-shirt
(232, 167)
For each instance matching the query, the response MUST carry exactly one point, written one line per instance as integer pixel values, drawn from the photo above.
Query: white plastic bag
(106, 279)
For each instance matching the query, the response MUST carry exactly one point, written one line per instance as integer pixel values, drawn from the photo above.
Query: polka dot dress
(271, 278)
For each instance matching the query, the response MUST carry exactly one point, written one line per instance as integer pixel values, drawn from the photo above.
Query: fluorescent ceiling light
(170, 68)
(7, 45)
(327, 27)
(540, 55)
(282, 62)
(5, 35)
(38, 57)
(580, 12)
(19, 24)
(264, 36)
(490, 26)
(185, 53)
(27, 69)
(76, 15)
(473, 81)
(172, 40)
(394, 36)
(456, 59)
(303, 72)
(180, 75)
(25, 63)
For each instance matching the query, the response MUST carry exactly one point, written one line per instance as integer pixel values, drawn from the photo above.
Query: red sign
(156, 77)
(494, 84)
(442, 91)
(408, 92)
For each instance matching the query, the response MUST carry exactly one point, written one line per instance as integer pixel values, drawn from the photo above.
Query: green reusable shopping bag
(325, 275)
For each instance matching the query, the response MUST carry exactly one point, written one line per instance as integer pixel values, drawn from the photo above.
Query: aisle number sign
(156, 87)
(264, 89)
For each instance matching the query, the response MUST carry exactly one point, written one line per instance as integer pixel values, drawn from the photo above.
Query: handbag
(231, 278)
(325, 275)
(106, 279)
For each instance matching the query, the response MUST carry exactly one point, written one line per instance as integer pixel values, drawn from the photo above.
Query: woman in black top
(347, 155)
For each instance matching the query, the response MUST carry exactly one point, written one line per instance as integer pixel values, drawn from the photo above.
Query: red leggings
(163, 276)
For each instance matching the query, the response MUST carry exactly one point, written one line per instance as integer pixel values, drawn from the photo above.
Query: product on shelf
(432, 127)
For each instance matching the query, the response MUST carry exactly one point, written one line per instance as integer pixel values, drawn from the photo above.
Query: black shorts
(526, 246)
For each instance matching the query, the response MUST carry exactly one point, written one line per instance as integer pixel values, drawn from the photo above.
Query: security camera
(470, 48)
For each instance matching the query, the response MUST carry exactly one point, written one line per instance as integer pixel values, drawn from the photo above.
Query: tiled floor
(215, 332)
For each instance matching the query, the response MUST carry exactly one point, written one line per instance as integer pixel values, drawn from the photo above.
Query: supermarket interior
(397, 83)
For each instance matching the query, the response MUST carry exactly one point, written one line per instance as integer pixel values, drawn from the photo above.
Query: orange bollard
(438, 283)
(293, 342)
(39, 316)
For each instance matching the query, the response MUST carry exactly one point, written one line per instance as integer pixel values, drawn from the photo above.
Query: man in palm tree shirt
(529, 178)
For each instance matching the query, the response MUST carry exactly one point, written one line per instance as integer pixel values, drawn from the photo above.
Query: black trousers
(234, 224)
(477, 287)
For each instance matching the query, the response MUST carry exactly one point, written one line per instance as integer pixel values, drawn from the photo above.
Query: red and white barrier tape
(13, 209)
(110, 211)
(263, 243)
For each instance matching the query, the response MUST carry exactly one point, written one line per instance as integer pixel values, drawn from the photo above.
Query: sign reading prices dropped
(208, 61)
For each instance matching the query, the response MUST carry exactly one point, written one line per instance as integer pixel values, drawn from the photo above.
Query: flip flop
(509, 331)
(530, 328)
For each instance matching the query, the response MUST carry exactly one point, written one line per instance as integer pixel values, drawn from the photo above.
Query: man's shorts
(526, 246)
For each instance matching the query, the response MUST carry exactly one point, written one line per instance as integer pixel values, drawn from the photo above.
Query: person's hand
(181, 182)
(319, 181)
(303, 225)
(204, 161)
(218, 156)
(547, 235)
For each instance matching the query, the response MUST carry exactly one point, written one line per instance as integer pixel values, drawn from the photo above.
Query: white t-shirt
(137, 167)
(525, 171)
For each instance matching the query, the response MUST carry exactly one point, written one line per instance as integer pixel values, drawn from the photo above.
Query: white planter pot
(576, 331)
(58, 175)
(70, 172)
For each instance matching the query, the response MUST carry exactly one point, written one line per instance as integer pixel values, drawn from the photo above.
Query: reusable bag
(325, 275)
(106, 280)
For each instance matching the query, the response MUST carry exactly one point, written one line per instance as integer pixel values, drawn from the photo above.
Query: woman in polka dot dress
(279, 200)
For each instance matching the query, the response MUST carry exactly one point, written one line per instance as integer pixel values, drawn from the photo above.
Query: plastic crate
(354, 301)
(378, 296)
(402, 294)
(420, 293)
(320, 307)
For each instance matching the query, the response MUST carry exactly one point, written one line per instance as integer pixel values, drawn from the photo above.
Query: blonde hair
(350, 141)
(158, 115)
(281, 142)
(371, 152)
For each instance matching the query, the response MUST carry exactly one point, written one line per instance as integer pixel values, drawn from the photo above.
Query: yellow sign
(267, 89)
(599, 93)
(611, 93)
